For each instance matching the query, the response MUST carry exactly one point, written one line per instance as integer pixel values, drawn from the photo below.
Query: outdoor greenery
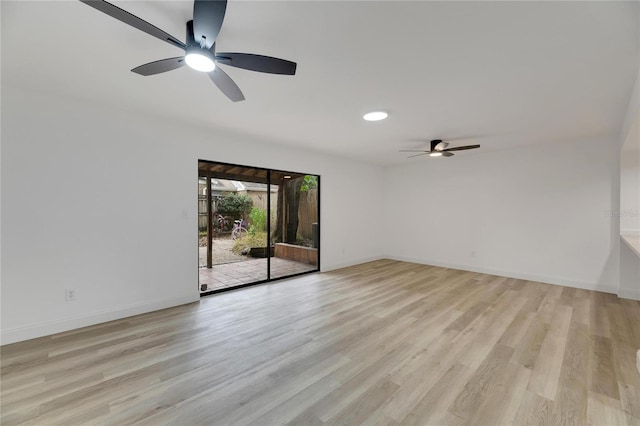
(258, 220)
(257, 239)
(234, 205)
(309, 182)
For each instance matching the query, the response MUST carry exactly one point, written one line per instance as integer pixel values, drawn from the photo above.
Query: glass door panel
(238, 244)
(295, 223)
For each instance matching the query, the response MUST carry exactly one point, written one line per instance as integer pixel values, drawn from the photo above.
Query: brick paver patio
(249, 271)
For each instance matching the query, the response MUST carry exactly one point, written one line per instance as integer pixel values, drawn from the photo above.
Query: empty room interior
(366, 212)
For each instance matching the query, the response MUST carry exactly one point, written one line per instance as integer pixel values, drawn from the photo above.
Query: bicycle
(219, 228)
(239, 229)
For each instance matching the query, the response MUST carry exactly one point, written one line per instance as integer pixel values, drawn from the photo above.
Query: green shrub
(235, 206)
(309, 182)
(258, 220)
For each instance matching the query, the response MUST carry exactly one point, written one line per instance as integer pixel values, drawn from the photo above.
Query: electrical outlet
(69, 294)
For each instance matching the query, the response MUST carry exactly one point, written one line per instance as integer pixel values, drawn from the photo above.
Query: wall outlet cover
(69, 295)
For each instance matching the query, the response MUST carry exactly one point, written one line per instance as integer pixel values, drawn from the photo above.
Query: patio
(248, 271)
(221, 253)
(231, 270)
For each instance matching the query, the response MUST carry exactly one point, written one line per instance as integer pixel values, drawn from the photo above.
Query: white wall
(541, 213)
(630, 195)
(630, 182)
(105, 202)
(629, 213)
(630, 164)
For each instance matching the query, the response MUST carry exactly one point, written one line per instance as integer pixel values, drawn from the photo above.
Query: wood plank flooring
(386, 342)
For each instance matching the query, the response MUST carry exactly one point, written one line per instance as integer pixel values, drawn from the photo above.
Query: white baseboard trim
(628, 293)
(45, 329)
(630, 232)
(510, 274)
(340, 265)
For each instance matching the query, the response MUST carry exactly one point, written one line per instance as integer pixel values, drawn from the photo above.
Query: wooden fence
(307, 213)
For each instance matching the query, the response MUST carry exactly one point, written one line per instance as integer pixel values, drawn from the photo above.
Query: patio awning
(242, 173)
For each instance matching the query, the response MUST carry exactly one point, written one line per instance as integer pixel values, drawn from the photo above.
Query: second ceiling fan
(199, 49)
(438, 148)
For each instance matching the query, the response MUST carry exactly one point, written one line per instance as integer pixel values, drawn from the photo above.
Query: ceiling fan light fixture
(199, 50)
(200, 59)
(375, 116)
(435, 154)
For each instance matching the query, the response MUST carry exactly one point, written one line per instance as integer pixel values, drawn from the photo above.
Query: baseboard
(340, 265)
(511, 274)
(628, 293)
(45, 329)
(630, 232)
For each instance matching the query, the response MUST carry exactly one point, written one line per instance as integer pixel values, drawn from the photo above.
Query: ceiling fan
(439, 149)
(199, 49)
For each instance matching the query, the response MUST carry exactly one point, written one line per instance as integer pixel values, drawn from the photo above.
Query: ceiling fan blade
(134, 21)
(441, 146)
(207, 21)
(417, 155)
(260, 63)
(226, 85)
(447, 154)
(462, 148)
(157, 67)
(413, 150)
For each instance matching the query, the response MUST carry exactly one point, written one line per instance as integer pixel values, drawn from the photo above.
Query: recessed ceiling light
(375, 116)
(287, 177)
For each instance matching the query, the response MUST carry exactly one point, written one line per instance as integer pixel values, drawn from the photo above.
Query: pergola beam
(276, 177)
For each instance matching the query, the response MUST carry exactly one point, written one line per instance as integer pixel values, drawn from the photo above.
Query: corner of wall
(632, 111)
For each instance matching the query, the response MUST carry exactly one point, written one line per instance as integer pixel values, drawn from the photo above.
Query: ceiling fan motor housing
(191, 41)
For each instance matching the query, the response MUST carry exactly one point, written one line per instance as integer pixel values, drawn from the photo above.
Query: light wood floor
(381, 343)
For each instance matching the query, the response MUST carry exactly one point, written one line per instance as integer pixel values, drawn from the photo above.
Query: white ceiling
(500, 74)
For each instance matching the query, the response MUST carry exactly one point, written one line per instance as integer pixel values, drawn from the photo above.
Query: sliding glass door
(255, 225)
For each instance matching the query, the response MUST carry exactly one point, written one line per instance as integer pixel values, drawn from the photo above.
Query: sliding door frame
(268, 171)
